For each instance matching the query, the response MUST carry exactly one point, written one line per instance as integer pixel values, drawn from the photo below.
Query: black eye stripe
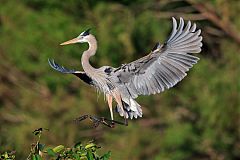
(85, 33)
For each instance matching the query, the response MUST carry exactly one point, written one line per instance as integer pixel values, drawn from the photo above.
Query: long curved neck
(87, 67)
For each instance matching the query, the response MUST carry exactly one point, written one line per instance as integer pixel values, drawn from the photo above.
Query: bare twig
(209, 13)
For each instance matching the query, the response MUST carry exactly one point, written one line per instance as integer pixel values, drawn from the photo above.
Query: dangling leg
(96, 121)
(118, 99)
(106, 121)
(109, 100)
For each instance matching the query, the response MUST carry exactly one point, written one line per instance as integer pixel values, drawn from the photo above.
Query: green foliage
(8, 156)
(80, 151)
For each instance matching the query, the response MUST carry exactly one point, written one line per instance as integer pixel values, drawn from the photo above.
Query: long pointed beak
(74, 40)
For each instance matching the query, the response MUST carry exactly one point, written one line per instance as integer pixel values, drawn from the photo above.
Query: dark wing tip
(52, 63)
(59, 68)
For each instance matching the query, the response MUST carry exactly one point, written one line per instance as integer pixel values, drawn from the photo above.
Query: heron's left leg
(104, 120)
(119, 101)
(109, 100)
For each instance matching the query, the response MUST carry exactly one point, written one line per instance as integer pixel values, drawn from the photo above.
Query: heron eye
(83, 34)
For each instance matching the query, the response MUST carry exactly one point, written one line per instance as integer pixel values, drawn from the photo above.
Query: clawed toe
(100, 120)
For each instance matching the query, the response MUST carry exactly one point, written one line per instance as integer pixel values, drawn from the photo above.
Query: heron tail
(131, 109)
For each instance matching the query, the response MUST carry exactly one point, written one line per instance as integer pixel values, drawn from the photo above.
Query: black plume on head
(85, 33)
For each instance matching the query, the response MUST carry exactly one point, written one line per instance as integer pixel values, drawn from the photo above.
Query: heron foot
(101, 120)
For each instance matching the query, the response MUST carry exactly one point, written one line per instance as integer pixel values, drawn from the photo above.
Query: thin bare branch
(209, 13)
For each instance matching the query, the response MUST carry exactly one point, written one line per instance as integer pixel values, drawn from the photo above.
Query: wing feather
(179, 31)
(82, 75)
(165, 66)
(61, 69)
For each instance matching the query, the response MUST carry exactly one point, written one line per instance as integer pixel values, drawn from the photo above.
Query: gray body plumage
(161, 69)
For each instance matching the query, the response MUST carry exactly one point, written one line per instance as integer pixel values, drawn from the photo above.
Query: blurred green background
(198, 119)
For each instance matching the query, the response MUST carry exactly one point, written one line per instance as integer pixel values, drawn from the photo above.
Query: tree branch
(207, 11)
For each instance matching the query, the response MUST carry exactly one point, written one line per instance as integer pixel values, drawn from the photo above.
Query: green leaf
(38, 157)
(90, 155)
(90, 145)
(34, 157)
(106, 156)
(6, 155)
(78, 145)
(51, 152)
(58, 149)
(83, 154)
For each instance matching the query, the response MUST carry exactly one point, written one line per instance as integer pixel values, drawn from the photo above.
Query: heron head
(79, 39)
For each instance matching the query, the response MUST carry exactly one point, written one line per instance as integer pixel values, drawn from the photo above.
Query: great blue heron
(161, 69)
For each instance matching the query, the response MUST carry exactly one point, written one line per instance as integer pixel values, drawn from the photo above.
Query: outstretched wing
(82, 75)
(166, 65)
